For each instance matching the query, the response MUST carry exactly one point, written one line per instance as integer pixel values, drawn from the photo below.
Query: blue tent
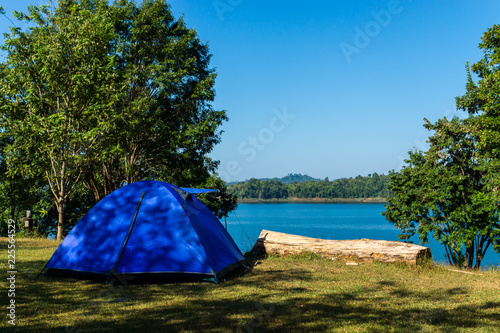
(149, 228)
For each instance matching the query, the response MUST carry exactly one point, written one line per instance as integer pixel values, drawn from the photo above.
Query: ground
(296, 294)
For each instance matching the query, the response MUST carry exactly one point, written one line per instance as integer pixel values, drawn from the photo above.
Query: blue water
(327, 221)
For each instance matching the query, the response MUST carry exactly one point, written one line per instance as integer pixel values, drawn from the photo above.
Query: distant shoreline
(315, 200)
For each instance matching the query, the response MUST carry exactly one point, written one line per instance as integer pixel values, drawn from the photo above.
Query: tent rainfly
(149, 228)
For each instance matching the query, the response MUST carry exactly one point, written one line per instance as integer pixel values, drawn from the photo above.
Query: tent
(149, 228)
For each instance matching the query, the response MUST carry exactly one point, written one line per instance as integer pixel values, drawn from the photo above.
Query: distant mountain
(297, 186)
(288, 179)
(296, 178)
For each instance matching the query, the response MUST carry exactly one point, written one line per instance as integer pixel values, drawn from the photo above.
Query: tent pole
(112, 270)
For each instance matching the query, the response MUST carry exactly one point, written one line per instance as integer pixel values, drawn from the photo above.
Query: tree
(444, 192)
(56, 91)
(482, 98)
(223, 202)
(103, 95)
(482, 101)
(17, 193)
(165, 124)
(451, 190)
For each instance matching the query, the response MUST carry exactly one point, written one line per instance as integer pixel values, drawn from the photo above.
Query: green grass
(301, 294)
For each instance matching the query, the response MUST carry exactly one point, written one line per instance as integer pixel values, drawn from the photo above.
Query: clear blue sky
(331, 88)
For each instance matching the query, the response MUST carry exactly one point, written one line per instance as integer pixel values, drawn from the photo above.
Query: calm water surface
(327, 221)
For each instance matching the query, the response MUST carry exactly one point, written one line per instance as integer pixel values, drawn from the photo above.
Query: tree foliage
(293, 178)
(165, 124)
(450, 191)
(97, 95)
(482, 96)
(56, 97)
(444, 192)
(358, 187)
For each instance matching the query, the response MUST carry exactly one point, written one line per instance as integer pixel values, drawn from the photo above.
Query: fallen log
(362, 250)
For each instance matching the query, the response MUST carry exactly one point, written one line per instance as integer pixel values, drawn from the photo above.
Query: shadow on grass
(94, 307)
(263, 315)
(259, 302)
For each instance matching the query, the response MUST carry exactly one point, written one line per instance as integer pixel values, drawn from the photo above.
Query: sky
(330, 88)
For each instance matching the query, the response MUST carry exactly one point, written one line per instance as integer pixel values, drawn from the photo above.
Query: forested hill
(295, 178)
(370, 186)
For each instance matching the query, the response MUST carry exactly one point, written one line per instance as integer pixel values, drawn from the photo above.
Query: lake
(327, 221)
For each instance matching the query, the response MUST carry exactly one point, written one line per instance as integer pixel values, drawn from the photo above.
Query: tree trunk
(60, 221)
(479, 257)
(481, 250)
(469, 257)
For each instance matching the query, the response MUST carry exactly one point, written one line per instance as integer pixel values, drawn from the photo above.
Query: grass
(305, 293)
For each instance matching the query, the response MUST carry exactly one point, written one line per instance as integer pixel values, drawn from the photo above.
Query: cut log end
(362, 250)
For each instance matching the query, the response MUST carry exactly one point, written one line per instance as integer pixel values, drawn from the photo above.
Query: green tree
(56, 91)
(443, 192)
(165, 124)
(451, 191)
(105, 94)
(482, 101)
(223, 202)
(481, 97)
